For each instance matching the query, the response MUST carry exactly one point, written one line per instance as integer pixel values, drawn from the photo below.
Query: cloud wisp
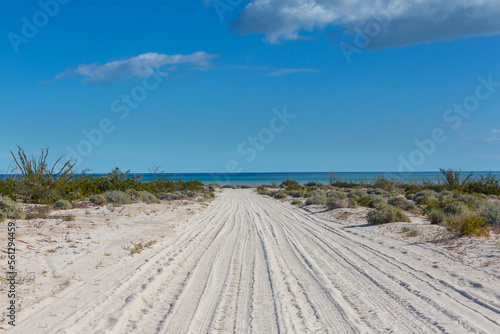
(409, 21)
(285, 71)
(136, 67)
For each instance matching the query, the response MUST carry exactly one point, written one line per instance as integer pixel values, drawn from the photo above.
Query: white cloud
(285, 71)
(409, 21)
(139, 67)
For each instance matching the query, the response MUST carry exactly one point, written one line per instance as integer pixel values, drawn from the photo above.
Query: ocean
(255, 179)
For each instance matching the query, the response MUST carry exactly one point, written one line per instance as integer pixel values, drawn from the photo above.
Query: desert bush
(10, 210)
(437, 217)
(377, 202)
(471, 201)
(411, 231)
(315, 193)
(357, 193)
(319, 200)
(456, 209)
(386, 214)
(399, 202)
(491, 212)
(147, 197)
(467, 225)
(98, 199)
(297, 193)
(262, 190)
(280, 195)
(340, 203)
(362, 201)
(117, 197)
(446, 194)
(336, 194)
(134, 195)
(385, 184)
(378, 192)
(297, 202)
(62, 204)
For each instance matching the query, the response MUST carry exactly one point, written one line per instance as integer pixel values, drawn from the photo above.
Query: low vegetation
(464, 204)
(33, 180)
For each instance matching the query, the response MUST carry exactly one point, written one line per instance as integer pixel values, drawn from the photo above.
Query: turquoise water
(254, 179)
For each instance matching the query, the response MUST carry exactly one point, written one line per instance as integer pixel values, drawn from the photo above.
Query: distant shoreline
(259, 178)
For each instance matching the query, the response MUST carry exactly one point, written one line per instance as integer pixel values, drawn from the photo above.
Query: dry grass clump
(468, 225)
(386, 214)
(10, 210)
(62, 204)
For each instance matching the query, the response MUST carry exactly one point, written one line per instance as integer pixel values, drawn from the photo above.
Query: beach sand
(246, 263)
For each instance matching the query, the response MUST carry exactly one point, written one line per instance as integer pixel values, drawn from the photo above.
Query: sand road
(251, 264)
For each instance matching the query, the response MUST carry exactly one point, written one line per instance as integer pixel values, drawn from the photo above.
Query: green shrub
(340, 203)
(297, 202)
(377, 202)
(134, 195)
(410, 207)
(437, 217)
(385, 184)
(336, 195)
(399, 202)
(491, 212)
(280, 195)
(148, 197)
(362, 201)
(378, 192)
(297, 193)
(62, 204)
(357, 193)
(319, 200)
(456, 209)
(98, 199)
(468, 225)
(387, 214)
(117, 197)
(10, 210)
(288, 183)
(471, 201)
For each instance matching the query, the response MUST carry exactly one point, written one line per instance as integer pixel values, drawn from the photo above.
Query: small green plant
(411, 231)
(357, 193)
(387, 214)
(468, 225)
(437, 217)
(117, 197)
(377, 202)
(339, 203)
(491, 213)
(385, 184)
(362, 201)
(398, 202)
(62, 204)
(318, 200)
(98, 200)
(280, 195)
(456, 209)
(150, 198)
(10, 210)
(297, 202)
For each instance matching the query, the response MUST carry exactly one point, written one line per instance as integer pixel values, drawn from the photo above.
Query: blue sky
(204, 78)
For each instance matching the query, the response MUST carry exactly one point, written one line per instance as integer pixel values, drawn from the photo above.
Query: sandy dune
(250, 264)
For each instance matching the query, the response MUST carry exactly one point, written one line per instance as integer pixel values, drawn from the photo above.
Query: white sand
(251, 264)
